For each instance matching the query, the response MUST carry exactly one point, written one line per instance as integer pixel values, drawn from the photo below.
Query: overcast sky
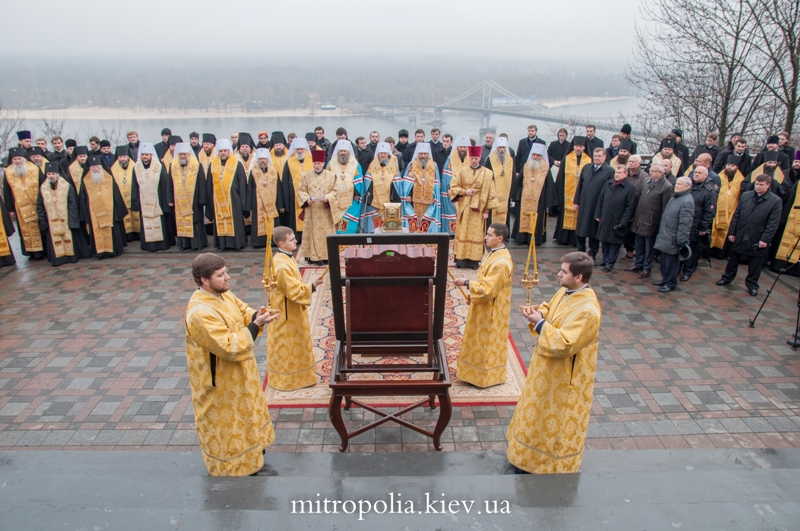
(567, 29)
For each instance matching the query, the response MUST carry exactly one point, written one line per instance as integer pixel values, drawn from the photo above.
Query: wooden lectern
(389, 303)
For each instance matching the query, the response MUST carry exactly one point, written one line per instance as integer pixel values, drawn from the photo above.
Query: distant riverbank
(112, 114)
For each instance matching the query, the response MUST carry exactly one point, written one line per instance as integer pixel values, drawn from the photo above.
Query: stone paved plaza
(92, 357)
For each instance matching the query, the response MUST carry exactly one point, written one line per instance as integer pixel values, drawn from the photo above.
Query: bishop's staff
(531, 281)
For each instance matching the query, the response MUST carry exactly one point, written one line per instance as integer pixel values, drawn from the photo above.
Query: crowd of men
(72, 201)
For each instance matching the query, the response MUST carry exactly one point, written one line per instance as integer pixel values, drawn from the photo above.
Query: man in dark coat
(162, 147)
(740, 150)
(705, 208)
(592, 141)
(722, 157)
(557, 148)
(615, 208)
(653, 199)
(593, 177)
(709, 147)
(783, 146)
(752, 229)
(673, 233)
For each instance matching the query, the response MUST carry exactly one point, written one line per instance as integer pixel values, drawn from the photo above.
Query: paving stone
(105, 372)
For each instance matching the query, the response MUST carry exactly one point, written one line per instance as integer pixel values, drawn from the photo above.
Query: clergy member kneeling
(290, 358)
(484, 349)
(548, 429)
(230, 409)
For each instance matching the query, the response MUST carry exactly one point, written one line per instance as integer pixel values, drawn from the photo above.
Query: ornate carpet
(461, 393)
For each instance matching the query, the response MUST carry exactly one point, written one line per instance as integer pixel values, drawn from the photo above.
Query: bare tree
(775, 35)
(690, 68)
(113, 132)
(53, 126)
(10, 123)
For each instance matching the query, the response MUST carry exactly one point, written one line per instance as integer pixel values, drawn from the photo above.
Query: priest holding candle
(548, 430)
(484, 348)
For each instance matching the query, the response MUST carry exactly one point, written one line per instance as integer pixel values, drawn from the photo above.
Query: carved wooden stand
(389, 314)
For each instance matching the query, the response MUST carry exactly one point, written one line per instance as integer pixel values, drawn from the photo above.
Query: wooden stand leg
(445, 411)
(348, 402)
(335, 413)
(432, 403)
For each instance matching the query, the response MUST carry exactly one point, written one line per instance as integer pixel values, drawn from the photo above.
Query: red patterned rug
(461, 393)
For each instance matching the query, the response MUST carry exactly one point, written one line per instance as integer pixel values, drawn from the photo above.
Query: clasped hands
(531, 313)
(266, 315)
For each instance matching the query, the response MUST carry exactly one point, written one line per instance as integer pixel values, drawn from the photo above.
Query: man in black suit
(592, 142)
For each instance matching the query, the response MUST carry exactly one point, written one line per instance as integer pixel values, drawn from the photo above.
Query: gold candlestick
(531, 281)
(269, 281)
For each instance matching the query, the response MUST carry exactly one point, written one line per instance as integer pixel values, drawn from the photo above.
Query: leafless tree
(53, 126)
(10, 123)
(701, 71)
(775, 35)
(113, 132)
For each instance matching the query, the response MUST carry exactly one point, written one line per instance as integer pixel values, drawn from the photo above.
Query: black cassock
(8, 197)
(164, 195)
(79, 247)
(547, 199)
(83, 240)
(588, 194)
(286, 202)
(5, 219)
(117, 229)
(239, 208)
(200, 239)
(260, 242)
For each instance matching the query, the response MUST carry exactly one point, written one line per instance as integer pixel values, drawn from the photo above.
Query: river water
(455, 123)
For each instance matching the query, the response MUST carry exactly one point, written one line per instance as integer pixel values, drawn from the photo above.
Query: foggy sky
(519, 30)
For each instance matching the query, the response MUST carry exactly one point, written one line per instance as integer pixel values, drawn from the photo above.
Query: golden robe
(318, 218)
(790, 234)
(422, 194)
(266, 187)
(484, 348)
(222, 178)
(470, 224)
(25, 191)
(230, 409)
(76, 171)
(572, 174)
(168, 158)
(382, 178)
(290, 358)
(533, 182)
(251, 162)
(345, 187)
(205, 159)
(101, 211)
(503, 176)
(548, 429)
(727, 201)
(184, 182)
(777, 175)
(56, 207)
(124, 178)
(279, 161)
(674, 159)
